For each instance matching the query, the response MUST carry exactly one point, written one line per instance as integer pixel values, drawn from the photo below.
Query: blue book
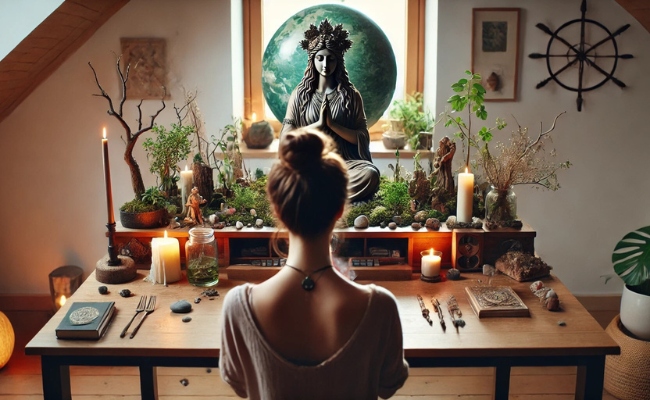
(86, 320)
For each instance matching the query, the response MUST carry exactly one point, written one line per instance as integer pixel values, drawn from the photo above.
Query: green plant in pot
(165, 151)
(410, 111)
(631, 259)
(147, 211)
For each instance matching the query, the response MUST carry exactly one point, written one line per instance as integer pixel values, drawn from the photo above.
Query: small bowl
(394, 140)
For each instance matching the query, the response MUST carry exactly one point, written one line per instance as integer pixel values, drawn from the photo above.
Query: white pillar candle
(186, 184)
(431, 263)
(166, 259)
(465, 198)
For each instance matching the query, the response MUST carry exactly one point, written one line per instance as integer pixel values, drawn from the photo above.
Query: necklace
(308, 283)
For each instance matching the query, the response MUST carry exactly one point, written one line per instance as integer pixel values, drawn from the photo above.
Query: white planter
(635, 313)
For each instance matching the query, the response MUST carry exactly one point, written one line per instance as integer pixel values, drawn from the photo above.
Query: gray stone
(186, 319)
(392, 225)
(259, 223)
(416, 226)
(181, 307)
(361, 222)
(420, 216)
(259, 135)
(453, 274)
(239, 225)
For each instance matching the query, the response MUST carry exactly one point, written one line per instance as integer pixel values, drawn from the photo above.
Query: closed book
(86, 320)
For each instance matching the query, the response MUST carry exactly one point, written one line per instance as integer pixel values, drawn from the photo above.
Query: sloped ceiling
(48, 46)
(74, 21)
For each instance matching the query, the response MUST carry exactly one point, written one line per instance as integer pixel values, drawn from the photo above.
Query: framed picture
(148, 68)
(495, 51)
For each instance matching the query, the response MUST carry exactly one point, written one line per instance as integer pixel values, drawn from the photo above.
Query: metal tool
(140, 308)
(151, 306)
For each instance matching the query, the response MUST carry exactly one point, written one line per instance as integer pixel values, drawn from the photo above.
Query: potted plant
(631, 259)
(165, 151)
(417, 124)
(145, 212)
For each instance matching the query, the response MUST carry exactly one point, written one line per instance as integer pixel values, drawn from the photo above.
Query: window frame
(253, 52)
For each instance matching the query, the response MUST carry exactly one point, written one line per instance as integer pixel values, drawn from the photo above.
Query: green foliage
(378, 215)
(394, 196)
(244, 198)
(411, 112)
(470, 95)
(357, 209)
(166, 150)
(631, 259)
(227, 142)
(151, 200)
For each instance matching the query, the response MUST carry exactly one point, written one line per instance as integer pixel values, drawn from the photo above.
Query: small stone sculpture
(194, 202)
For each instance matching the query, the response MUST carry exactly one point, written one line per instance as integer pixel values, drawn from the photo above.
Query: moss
(378, 215)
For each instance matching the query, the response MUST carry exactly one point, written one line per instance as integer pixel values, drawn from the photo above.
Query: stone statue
(325, 99)
(442, 165)
(194, 203)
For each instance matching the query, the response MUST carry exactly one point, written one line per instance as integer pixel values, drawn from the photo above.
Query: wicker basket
(627, 376)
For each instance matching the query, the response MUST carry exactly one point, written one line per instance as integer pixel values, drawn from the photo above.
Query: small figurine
(194, 202)
(442, 167)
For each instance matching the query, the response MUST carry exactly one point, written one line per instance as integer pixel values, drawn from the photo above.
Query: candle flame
(254, 117)
(104, 132)
(431, 252)
(186, 168)
(62, 300)
(466, 169)
(165, 233)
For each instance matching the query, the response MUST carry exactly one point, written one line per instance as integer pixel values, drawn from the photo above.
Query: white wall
(604, 194)
(53, 203)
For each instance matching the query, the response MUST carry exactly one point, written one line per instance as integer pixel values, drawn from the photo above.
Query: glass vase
(201, 258)
(501, 205)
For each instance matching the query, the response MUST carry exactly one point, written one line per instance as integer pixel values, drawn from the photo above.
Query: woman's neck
(326, 83)
(309, 254)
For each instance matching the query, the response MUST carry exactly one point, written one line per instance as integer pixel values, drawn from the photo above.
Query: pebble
(416, 226)
(125, 293)
(212, 218)
(184, 382)
(382, 224)
(432, 223)
(103, 290)
(453, 274)
(249, 225)
(253, 212)
(186, 319)
(361, 222)
(420, 216)
(220, 225)
(181, 307)
(488, 269)
(259, 223)
(197, 300)
(392, 225)
(561, 323)
(210, 292)
(239, 225)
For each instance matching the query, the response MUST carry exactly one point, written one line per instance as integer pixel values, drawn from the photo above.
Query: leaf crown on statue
(335, 38)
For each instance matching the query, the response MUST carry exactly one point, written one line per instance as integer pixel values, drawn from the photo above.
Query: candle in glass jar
(431, 263)
(465, 198)
(166, 259)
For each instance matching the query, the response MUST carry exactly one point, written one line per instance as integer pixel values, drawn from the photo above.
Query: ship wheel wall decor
(582, 66)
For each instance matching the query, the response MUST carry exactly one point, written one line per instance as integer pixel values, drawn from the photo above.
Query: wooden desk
(165, 341)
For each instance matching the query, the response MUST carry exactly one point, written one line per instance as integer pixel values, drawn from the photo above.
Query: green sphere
(370, 62)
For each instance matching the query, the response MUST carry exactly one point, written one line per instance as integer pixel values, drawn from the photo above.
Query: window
(259, 26)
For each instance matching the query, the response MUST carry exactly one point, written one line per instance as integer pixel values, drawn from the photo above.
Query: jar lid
(201, 232)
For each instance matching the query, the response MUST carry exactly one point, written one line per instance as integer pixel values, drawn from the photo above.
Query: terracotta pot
(635, 309)
(145, 220)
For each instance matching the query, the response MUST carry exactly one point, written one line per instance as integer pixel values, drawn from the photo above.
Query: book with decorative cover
(86, 320)
(496, 301)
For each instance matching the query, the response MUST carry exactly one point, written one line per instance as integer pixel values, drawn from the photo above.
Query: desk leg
(56, 379)
(589, 381)
(501, 382)
(148, 382)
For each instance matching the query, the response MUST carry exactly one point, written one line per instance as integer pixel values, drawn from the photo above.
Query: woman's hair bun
(303, 149)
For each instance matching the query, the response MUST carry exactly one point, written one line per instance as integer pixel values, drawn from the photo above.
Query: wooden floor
(21, 379)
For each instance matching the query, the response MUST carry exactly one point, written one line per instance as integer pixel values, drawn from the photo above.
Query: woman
(325, 99)
(308, 332)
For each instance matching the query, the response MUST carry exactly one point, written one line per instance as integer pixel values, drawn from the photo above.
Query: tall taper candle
(107, 180)
(465, 199)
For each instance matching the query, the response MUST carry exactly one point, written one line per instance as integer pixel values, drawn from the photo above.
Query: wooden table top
(164, 334)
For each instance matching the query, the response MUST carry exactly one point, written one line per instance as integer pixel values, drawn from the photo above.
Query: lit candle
(431, 263)
(166, 259)
(107, 180)
(186, 184)
(465, 198)
(254, 117)
(61, 301)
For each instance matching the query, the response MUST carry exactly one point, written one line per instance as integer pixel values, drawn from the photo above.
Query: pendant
(308, 284)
